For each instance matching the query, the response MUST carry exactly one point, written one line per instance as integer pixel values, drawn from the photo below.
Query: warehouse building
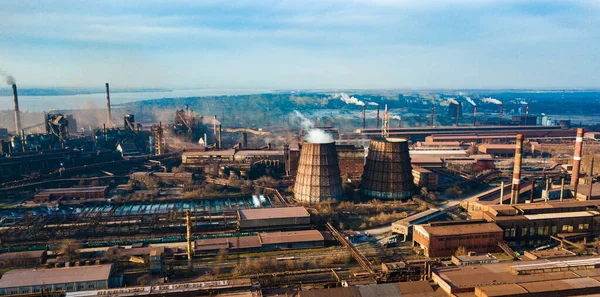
(172, 178)
(69, 279)
(47, 195)
(443, 239)
(263, 242)
(405, 226)
(572, 277)
(23, 259)
(406, 289)
(282, 218)
(534, 223)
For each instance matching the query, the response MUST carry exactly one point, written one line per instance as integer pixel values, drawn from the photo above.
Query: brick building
(47, 195)
(442, 239)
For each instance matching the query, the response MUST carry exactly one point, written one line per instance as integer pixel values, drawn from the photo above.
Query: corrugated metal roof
(455, 229)
(560, 215)
(22, 255)
(73, 190)
(33, 277)
(291, 237)
(273, 213)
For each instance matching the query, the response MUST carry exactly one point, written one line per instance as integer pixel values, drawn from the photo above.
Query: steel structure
(318, 178)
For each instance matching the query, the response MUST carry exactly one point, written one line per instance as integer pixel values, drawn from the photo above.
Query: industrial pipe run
(514, 195)
(17, 112)
(577, 160)
(108, 112)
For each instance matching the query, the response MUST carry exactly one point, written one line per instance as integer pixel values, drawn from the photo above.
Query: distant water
(45, 103)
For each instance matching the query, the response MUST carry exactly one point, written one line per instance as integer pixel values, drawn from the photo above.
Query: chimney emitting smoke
(108, 114)
(17, 112)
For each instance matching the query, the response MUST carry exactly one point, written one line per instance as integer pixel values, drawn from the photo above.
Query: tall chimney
(500, 118)
(400, 122)
(577, 160)
(377, 118)
(215, 125)
(457, 114)
(17, 112)
(591, 179)
(108, 114)
(526, 114)
(474, 115)
(514, 196)
(432, 114)
(286, 158)
(188, 224)
(562, 188)
(501, 192)
(364, 116)
(244, 140)
(219, 136)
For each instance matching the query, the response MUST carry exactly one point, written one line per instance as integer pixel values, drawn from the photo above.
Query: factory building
(424, 178)
(23, 259)
(533, 224)
(565, 277)
(405, 289)
(263, 242)
(178, 178)
(405, 226)
(443, 239)
(273, 218)
(318, 177)
(47, 195)
(69, 279)
(388, 171)
(498, 150)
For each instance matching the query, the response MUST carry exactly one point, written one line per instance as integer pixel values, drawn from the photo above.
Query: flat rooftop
(562, 215)
(291, 237)
(460, 229)
(72, 190)
(32, 277)
(273, 213)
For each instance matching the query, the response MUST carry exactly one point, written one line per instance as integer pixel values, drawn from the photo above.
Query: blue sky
(302, 43)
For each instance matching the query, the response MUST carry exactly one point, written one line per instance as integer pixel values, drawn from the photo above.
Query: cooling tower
(318, 178)
(388, 173)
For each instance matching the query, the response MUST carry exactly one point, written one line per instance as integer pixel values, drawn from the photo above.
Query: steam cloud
(347, 99)
(524, 102)
(10, 80)
(313, 135)
(396, 117)
(452, 101)
(491, 100)
(373, 104)
(471, 101)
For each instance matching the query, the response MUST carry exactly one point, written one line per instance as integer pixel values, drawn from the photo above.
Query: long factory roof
(273, 213)
(33, 277)
(73, 190)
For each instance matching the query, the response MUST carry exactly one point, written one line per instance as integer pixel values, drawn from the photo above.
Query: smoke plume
(524, 103)
(313, 135)
(347, 99)
(452, 101)
(396, 117)
(471, 101)
(10, 80)
(491, 100)
(373, 104)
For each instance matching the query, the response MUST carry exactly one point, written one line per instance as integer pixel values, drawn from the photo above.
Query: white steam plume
(471, 101)
(524, 102)
(452, 101)
(373, 104)
(10, 80)
(312, 135)
(347, 99)
(396, 117)
(491, 100)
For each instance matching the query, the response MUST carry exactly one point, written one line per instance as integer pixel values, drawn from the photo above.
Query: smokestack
(532, 192)
(562, 188)
(432, 114)
(219, 136)
(577, 160)
(17, 112)
(474, 115)
(244, 140)
(215, 125)
(286, 158)
(377, 119)
(514, 197)
(457, 114)
(188, 224)
(591, 178)
(400, 122)
(108, 114)
(526, 114)
(364, 116)
(500, 118)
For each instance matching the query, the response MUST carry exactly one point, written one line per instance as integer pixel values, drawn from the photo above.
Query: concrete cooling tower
(388, 173)
(318, 178)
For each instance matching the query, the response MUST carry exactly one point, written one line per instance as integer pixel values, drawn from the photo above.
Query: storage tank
(388, 172)
(318, 177)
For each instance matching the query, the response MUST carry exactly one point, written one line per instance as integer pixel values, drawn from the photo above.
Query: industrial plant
(198, 198)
